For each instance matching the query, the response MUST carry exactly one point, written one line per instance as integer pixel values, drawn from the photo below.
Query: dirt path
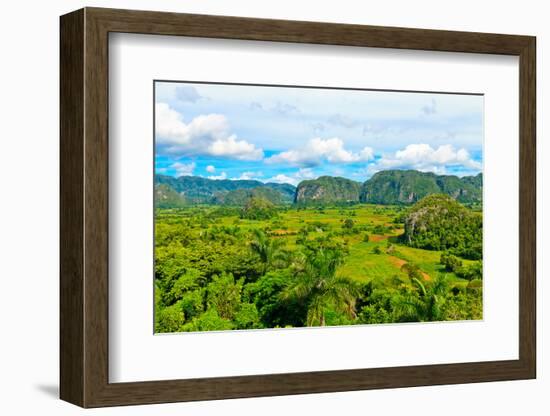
(400, 262)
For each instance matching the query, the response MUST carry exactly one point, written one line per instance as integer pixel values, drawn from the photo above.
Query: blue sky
(281, 134)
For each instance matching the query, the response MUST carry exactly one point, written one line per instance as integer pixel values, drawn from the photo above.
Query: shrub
(471, 272)
(451, 262)
(348, 224)
(412, 270)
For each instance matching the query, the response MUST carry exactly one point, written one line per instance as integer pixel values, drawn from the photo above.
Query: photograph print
(291, 207)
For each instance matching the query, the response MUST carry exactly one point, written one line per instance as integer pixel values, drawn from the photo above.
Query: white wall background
(29, 206)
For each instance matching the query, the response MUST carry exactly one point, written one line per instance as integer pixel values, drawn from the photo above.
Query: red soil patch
(397, 261)
(375, 238)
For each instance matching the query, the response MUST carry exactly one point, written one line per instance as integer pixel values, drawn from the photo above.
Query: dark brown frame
(84, 207)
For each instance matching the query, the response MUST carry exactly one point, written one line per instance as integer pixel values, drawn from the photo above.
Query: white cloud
(204, 135)
(317, 150)
(282, 178)
(294, 179)
(183, 169)
(366, 154)
(425, 158)
(222, 175)
(211, 169)
(250, 176)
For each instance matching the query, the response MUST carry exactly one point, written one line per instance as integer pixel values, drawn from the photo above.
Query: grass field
(363, 263)
(217, 269)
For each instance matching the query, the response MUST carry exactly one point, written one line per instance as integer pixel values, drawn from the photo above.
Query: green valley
(245, 255)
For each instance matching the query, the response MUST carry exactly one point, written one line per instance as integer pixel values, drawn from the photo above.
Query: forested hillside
(391, 187)
(409, 186)
(199, 190)
(327, 189)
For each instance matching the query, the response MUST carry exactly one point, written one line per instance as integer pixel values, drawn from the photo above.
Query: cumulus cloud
(204, 135)
(295, 178)
(249, 175)
(425, 158)
(188, 94)
(222, 175)
(211, 169)
(183, 169)
(318, 150)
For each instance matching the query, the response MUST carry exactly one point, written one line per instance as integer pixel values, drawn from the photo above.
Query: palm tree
(435, 298)
(269, 250)
(318, 286)
(423, 303)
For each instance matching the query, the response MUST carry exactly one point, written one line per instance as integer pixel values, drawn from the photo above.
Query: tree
(247, 317)
(317, 284)
(423, 302)
(348, 224)
(451, 263)
(412, 270)
(224, 295)
(275, 311)
(169, 319)
(269, 250)
(208, 321)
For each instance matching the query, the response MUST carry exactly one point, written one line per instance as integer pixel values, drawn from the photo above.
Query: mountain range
(386, 187)
(410, 186)
(199, 190)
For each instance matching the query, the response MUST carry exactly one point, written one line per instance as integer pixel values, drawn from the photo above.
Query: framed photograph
(255, 207)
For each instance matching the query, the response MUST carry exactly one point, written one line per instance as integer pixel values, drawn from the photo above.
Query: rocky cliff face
(327, 189)
(409, 186)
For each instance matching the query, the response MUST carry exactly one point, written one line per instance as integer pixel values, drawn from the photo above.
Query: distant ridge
(327, 189)
(199, 190)
(390, 187)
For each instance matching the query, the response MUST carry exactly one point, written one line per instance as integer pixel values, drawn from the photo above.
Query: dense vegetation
(240, 197)
(327, 189)
(390, 187)
(167, 197)
(259, 264)
(198, 190)
(410, 186)
(438, 222)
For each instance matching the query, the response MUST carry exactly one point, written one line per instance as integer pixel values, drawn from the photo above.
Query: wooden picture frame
(84, 207)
